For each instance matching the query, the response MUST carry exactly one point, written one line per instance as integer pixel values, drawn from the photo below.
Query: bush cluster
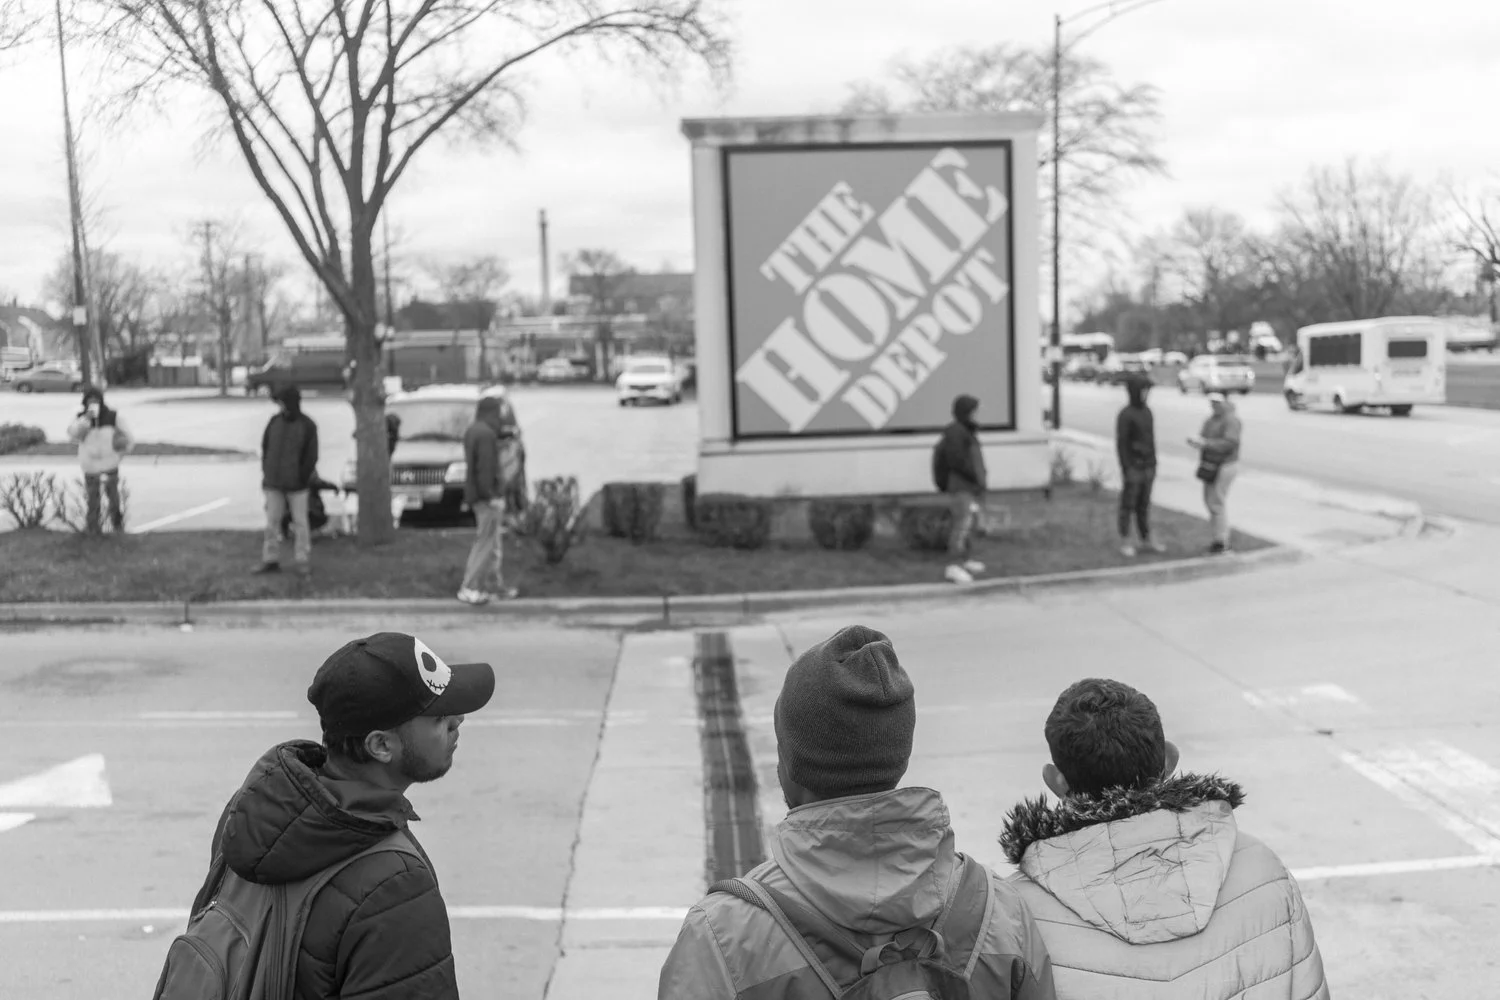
(19, 437)
(925, 527)
(841, 525)
(633, 510)
(554, 518)
(730, 520)
(37, 499)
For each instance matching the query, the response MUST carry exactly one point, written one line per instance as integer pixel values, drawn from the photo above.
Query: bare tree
(1477, 237)
(1212, 258)
(1107, 129)
(331, 101)
(120, 292)
(601, 273)
(1365, 236)
(477, 281)
(18, 22)
(220, 287)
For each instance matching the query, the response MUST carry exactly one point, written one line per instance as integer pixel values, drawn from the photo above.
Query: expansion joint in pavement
(730, 796)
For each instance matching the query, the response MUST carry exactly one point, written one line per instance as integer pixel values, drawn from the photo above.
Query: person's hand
(1195, 442)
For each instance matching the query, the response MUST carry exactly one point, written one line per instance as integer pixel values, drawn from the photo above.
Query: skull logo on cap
(434, 672)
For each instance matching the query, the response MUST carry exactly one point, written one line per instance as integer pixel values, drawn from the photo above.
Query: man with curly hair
(1141, 882)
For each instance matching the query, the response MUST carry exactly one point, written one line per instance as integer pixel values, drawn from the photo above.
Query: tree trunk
(372, 453)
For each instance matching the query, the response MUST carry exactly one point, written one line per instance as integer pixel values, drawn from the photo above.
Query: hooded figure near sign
(958, 470)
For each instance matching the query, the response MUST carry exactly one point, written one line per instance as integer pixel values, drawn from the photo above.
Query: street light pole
(1056, 222)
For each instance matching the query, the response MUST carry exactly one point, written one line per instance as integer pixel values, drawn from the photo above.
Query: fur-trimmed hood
(1145, 865)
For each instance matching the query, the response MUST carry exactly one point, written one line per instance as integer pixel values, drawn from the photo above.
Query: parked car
(304, 369)
(1217, 373)
(649, 378)
(48, 378)
(428, 467)
(1123, 370)
(559, 369)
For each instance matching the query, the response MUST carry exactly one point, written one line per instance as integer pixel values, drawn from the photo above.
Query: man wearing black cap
(390, 709)
(871, 864)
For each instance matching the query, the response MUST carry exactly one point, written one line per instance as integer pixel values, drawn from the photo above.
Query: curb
(646, 609)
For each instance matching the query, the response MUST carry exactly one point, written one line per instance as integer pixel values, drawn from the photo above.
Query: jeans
(111, 483)
(1216, 499)
(487, 555)
(1135, 501)
(965, 507)
(278, 502)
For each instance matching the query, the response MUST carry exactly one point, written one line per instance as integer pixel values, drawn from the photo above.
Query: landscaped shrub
(31, 498)
(841, 524)
(72, 506)
(736, 521)
(925, 527)
(633, 510)
(690, 500)
(554, 518)
(1062, 468)
(19, 437)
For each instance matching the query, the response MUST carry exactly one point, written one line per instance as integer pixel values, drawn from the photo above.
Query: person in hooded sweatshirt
(1218, 444)
(1135, 446)
(390, 711)
(102, 441)
(1142, 883)
(876, 860)
(484, 491)
(958, 470)
(288, 463)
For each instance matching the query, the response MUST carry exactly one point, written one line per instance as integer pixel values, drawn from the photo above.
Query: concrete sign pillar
(854, 275)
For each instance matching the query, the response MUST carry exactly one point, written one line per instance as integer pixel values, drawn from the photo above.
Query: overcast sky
(1252, 94)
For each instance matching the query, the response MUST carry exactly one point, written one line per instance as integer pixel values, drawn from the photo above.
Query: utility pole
(546, 269)
(247, 311)
(217, 297)
(75, 209)
(1056, 222)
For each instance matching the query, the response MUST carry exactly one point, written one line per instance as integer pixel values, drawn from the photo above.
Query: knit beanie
(845, 716)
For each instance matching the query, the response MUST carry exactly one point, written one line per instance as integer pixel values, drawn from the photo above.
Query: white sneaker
(1156, 547)
(973, 566)
(473, 596)
(957, 574)
(1127, 550)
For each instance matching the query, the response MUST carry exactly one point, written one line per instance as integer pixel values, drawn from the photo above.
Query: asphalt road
(179, 719)
(570, 430)
(1445, 458)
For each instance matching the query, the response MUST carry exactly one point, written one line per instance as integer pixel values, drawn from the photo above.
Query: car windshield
(434, 420)
(647, 368)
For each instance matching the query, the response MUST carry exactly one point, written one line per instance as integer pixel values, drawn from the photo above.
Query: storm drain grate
(729, 787)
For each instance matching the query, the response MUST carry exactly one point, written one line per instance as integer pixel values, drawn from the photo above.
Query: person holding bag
(102, 441)
(1218, 445)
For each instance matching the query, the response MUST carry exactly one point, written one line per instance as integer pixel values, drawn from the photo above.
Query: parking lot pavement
(119, 747)
(569, 430)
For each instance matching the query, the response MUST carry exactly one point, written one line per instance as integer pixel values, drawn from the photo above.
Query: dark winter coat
(289, 447)
(1155, 893)
(958, 460)
(1135, 432)
(379, 930)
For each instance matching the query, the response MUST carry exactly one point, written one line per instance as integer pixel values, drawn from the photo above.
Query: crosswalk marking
(1459, 792)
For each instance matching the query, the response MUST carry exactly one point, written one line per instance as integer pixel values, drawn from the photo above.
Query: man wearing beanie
(865, 881)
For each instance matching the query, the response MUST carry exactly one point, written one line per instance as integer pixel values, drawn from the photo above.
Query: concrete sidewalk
(1281, 509)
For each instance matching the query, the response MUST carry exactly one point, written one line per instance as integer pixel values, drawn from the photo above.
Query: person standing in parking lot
(1135, 446)
(288, 463)
(102, 441)
(1218, 444)
(484, 492)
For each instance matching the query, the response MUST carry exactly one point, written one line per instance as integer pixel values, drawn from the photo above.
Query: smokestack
(546, 269)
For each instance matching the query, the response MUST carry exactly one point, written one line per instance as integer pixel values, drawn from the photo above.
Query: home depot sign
(869, 287)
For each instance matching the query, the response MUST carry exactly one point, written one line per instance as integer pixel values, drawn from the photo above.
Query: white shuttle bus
(1394, 362)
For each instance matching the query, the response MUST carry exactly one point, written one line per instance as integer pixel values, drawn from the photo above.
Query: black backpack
(921, 963)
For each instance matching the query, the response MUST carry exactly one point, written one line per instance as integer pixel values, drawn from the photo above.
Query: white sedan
(649, 379)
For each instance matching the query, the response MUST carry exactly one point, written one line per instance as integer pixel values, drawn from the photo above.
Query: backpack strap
(293, 924)
(759, 895)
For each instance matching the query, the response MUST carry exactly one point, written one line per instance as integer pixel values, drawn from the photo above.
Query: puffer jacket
(1221, 436)
(1155, 893)
(875, 865)
(101, 446)
(379, 930)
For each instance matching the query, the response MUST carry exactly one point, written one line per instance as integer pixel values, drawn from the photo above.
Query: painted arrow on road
(78, 784)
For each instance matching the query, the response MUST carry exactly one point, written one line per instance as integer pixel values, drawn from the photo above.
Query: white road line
(10, 821)
(1310, 694)
(162, 522)
(217, 716)
(542, 913)
(1425, 780)
(1396, 867)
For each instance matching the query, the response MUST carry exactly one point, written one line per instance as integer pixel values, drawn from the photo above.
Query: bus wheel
(1401, 411)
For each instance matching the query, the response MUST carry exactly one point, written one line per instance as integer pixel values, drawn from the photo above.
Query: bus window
(1406, 349)
(1335, 350)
